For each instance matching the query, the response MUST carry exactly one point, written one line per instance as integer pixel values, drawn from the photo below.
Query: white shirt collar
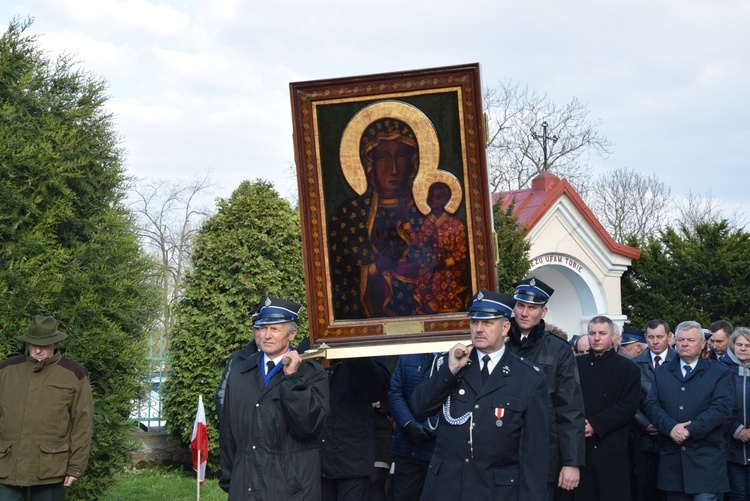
(692, 366)
(266, 360)
(662, 355)
(494, 358)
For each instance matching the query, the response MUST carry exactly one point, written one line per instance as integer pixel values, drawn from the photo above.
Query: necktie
(657, 361)
(688, 369)
(485, 368)
(270, 365)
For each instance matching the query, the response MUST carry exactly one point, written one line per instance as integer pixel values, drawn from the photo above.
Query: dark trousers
(739, 482)
(344, 489)
(646, 469)
(562, 494)
(408, 478)
(48, 492)
(681, 496)
(380, 485)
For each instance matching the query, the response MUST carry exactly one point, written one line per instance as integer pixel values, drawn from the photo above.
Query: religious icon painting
(394, 203)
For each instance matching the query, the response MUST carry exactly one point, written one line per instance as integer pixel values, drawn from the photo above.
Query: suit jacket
(510, 437)
(705, 397)
(643, 440)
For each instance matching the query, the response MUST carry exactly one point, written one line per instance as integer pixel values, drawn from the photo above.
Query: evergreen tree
(696, 273)
(250, 248)
(513, 248)
(67, 245)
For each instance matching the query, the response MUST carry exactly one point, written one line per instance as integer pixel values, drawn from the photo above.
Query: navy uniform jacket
(705, 397)
(234, 358)
(510, 457)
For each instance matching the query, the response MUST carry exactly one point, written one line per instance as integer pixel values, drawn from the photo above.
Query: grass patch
(161, 484)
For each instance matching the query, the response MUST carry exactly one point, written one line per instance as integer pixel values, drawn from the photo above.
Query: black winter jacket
(269, 435)
(347, 447)
(567, 419)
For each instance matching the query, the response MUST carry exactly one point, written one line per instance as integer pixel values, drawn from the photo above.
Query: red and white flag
(199, 442)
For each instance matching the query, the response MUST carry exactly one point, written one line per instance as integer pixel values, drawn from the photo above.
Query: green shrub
(67, 246)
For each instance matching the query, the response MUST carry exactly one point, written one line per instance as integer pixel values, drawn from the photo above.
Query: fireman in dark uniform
(492, 437)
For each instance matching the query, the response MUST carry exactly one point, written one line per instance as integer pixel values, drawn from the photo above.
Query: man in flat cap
(492, 437)
(46, 417)
(529, 339)
(273, 415)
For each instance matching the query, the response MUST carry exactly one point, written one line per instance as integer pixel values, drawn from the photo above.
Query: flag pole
(198, 479)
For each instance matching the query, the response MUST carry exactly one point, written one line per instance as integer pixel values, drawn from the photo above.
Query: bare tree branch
(630, 204)
(695, 209)
(515, 157)
(167, 220)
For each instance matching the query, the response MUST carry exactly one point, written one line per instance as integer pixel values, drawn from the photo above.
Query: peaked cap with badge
(276, 311)
(631, 335)
(43, 331)
(486, 305)
(532, 290)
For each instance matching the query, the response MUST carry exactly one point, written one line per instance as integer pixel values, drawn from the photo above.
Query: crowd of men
(519, 413)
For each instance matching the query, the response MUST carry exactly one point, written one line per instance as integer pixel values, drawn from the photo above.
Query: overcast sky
(202, 86)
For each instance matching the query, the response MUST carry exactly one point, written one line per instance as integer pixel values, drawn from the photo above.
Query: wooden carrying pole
(309, 355)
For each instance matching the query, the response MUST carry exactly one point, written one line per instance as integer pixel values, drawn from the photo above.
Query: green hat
(43, 332)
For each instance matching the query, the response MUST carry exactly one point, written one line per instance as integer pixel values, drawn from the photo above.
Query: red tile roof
(532, 203)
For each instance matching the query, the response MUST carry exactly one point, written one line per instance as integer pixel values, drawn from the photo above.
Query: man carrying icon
(273, 415)
(492, 437)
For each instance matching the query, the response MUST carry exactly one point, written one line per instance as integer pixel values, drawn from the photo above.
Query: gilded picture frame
(394, 204)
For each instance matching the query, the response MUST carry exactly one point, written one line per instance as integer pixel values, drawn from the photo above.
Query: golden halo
(438, 176)
(427, 141)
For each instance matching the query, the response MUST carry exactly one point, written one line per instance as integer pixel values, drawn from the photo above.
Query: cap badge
(268, 301)
(480, 296)
(532, 282)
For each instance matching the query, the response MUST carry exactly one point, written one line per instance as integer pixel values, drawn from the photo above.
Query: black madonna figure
(374, 264)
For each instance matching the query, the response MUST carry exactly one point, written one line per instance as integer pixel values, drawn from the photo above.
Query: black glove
(416, 433)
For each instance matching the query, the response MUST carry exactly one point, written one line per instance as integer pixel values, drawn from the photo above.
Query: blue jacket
(739, 452)
(705, 397)
(410, 371)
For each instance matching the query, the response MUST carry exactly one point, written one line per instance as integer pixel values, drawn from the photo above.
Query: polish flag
(199, 442)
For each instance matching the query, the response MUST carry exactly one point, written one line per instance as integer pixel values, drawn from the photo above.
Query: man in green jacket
(46, 417)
